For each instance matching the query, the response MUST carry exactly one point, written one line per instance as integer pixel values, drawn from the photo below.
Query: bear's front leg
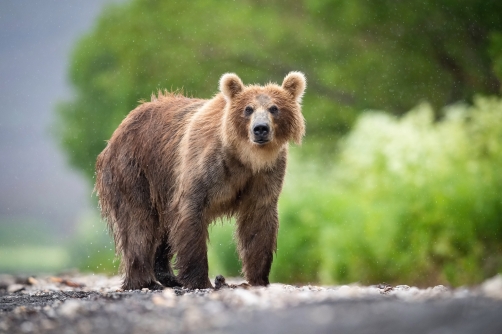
(189, 241)
(257, 228)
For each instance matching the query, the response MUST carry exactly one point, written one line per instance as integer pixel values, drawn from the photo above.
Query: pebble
(15, 288)
(32, 281)
(27, 327)
(69, 308)
(492, 287)
(246, 297)
(3, 326)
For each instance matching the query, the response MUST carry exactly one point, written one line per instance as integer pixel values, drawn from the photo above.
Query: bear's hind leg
(162, 268)
(138, 259)
(138, 237)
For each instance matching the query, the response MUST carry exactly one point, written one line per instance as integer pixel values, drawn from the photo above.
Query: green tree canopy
(357, 55)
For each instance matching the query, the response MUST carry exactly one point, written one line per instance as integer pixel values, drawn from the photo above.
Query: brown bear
(175, 164)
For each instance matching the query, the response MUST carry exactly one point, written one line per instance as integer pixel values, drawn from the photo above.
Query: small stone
(3, 326)
(493, 287)
(54, 279)
(462, 292)
(414, 290)
(47, 324)
(158, 300)
(20, 309)
(32, 281)
(49, 311)
(440, 288)
(219, 282)
(350, 291)
(246, 297)
(168, 293)
(69, 308)
(15, 288)
(27, 327)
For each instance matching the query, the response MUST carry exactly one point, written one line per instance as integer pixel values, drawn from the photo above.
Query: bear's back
(146, 144)
(155, 126)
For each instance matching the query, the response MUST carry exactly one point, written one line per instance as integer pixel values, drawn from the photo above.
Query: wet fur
(175, 164)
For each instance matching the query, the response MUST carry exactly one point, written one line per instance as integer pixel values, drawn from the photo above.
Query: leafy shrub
(92, 250)
(407, 200)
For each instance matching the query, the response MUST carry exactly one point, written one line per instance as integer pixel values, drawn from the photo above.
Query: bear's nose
(261, 130)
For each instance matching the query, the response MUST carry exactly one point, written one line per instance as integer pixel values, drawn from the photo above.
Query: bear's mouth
(261, 141)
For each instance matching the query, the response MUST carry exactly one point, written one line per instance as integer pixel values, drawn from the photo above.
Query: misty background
(41, 197)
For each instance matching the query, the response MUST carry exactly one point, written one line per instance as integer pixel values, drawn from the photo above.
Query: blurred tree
(357, 55)
(433, 50)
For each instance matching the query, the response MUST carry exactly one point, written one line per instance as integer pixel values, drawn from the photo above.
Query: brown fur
(175, 164)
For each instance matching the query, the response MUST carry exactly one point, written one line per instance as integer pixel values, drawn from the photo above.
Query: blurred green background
(399, 178)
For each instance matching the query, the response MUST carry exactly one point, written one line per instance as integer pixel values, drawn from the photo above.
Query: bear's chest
(225, 192)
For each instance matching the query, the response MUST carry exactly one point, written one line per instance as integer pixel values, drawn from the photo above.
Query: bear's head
(260, 120)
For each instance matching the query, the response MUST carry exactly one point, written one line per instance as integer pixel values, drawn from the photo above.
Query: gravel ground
(77, 303)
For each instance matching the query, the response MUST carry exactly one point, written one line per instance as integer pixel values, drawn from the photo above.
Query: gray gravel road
(92, 304)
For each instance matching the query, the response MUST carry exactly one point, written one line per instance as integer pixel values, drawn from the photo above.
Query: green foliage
(401, 52)
(27, 246)
(33, 259)
(357, 54)
(92, 249)
(222, 253)
(19, 232)
(407, 200)
(496, 52)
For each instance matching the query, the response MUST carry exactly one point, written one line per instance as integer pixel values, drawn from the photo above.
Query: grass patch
(31, 259)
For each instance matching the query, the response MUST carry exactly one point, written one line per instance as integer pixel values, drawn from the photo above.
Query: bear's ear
(295, 83)
(230, 85)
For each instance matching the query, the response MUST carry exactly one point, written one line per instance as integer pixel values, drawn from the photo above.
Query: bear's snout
(261, 132)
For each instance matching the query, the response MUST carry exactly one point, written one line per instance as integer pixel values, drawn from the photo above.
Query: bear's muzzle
(261, 128)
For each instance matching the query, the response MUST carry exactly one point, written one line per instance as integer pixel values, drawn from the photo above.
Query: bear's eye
(273, 110)
(248, 111)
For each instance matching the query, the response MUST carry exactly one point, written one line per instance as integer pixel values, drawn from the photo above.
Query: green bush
(407, 200)
(92, 249)
(222, 252)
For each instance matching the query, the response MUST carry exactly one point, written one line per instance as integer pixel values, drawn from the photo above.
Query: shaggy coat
(175, 164)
